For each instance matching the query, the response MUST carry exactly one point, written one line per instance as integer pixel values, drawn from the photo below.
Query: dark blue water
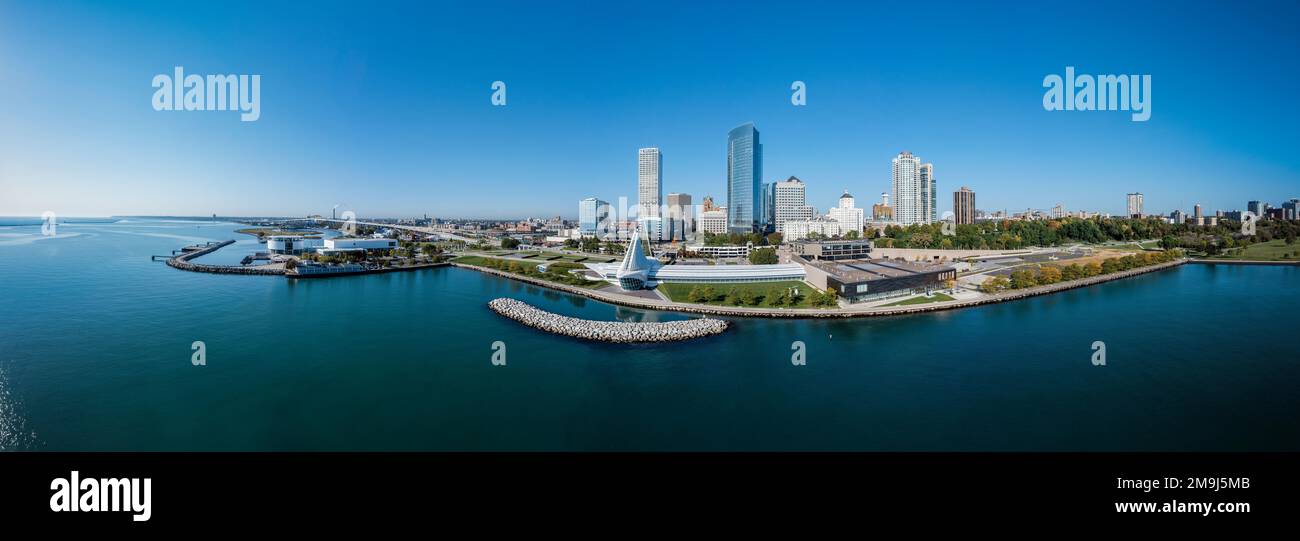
(95, 354)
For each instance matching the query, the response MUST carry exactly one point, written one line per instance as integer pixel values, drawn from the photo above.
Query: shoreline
(811, 313)
(1243, 262)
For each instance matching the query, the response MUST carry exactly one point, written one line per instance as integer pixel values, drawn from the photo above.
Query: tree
(733, 296)
(1049, 275)
(432, 249)
(775, 297)
(851, 235)
(291, 264)
(708, 294)
(590, 244)
(1022, 279)
(793, 298)
(514, 267)
(830, 297)
(696, 295)
(509, 243)
(765, 256)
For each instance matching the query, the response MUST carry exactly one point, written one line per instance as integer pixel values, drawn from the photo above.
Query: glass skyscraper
(744, 180)
(593, 214)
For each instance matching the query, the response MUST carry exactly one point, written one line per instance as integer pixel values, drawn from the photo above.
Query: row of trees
(774, 297)
(1014, 234)
(1051, 274)
(555, 271)
(1219, 239)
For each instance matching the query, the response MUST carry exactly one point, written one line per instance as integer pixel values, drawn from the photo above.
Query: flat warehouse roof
(875, 269)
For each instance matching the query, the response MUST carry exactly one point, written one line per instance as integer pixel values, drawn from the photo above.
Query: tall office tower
(649, 182)
(744, 187)
(913, 203)
(1256, 207)
(1196, 215)
(963, 206)
(930, 192)
(789, 202)
(847, 214)
(882, 212)
(769, 206)
(680, 217)
(593, 217)
(1135, 205)
(1291, 209)
(1058, 211)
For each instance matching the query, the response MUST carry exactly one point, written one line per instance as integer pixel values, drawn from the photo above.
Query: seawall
(183, 262)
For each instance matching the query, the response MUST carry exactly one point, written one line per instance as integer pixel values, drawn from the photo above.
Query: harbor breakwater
(183, 262)
(606, 331)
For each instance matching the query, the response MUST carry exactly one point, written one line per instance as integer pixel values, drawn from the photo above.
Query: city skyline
(398, 121)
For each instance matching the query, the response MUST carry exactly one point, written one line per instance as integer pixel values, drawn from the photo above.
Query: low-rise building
(875, 279)
(729, 250)
(801, 229)
(831, 250)
(292, 244)
(346, 244)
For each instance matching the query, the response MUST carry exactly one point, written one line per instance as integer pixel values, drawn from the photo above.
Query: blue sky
(385, 109)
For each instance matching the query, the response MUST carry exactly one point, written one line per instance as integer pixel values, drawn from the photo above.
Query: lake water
(95, 354)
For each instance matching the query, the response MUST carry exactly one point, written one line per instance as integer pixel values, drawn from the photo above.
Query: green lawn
(555, 271)
(680, 292)
(938, 297)
(1274, 250)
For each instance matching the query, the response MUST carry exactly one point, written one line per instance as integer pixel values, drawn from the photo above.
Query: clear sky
(385, 108)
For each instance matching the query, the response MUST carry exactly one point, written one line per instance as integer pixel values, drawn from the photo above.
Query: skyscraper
(789, 202)
(649, 182)
(744, 184)
(1135, 205)
(769, 206)
(680, 217)
(593, 214)
(1257, 208)
(930, 191)
(914, 190)
(963, 206)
